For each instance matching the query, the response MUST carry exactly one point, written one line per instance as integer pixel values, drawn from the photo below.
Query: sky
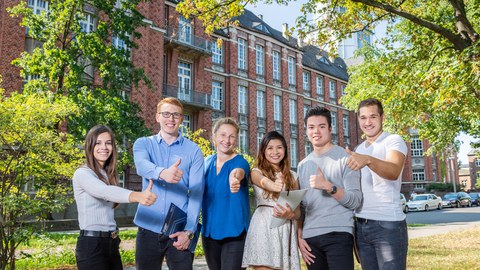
(275, 15)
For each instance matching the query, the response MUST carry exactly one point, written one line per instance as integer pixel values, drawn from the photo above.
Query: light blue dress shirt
(152, 155)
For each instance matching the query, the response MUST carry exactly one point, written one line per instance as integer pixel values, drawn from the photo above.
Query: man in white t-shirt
(380, 227)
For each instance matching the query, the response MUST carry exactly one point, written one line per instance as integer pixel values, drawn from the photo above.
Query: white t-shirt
(381, 197)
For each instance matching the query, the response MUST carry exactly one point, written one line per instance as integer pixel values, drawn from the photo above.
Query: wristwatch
(189, 234)
(334, 190)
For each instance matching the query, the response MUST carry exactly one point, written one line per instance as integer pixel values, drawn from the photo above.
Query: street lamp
(451, 159)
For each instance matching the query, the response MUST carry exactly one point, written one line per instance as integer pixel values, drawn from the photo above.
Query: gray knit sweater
(321, 212)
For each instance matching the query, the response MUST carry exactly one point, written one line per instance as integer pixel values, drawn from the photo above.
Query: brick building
(474, 166)
(259, 75)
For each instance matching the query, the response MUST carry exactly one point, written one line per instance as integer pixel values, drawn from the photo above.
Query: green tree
(35, 160)
(69, 49)
(430, 82)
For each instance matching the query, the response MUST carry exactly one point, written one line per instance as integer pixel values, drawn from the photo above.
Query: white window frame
(185, 29)
(416, 146)
(277, 108)
(477, 162)
(217, 54)
(308, 148)
(306, 80)
(320, 90)
(243, 140)
(38, 6)
(217, 95)
(260, 57)
(242, 54)
(186, 123)
(291, 71)
(87, 23)
(242, 100)
(334, 122)
(418, 175)
(261, 110)
(293, 152)
(260, 136)
(276, 66)
(332, 90)
(292, 106)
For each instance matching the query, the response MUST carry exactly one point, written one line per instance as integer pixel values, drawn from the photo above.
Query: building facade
(474, 166)
(256, 74)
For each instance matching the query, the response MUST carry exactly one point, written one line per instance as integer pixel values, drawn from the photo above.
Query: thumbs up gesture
(278, 183)
(234, 179)
(146, 197)
(173, 174)
(318, 180)
(356, 161)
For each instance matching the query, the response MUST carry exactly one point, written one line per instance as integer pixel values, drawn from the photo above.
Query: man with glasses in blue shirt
(175, 164)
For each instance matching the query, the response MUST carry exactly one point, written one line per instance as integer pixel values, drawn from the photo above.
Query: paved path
(414, 232)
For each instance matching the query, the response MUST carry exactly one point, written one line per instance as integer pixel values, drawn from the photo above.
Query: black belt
(363, 220)
(111, 234)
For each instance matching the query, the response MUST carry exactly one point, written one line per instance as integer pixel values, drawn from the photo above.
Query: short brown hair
(371, 102)
(169, 100)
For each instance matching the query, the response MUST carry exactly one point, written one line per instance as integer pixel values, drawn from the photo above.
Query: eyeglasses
(176, 115)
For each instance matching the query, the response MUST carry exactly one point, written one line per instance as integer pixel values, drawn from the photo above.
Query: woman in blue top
(226, 209)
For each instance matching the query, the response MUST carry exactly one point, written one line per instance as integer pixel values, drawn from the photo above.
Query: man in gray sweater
(325, 230)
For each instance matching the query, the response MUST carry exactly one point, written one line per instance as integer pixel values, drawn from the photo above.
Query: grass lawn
(450, 251)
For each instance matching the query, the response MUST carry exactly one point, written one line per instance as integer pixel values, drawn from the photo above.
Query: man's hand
(173, 174)
(306, 251)
(278, 184)
(182, 242)
(234, 180)
(356, 161)
(318, 181)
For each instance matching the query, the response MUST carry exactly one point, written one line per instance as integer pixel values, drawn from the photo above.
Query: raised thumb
(150, 185)
(177, 162)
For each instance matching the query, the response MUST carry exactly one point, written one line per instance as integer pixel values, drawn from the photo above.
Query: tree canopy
(426, 71)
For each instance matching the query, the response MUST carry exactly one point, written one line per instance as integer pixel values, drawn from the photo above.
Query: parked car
(475, 198)
(424, 202)
(404, 203)
(456, 200)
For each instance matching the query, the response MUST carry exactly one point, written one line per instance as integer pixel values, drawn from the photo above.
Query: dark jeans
(225, 254)
(153, 247)
(382, 244)
(332, 251)
(98, 253)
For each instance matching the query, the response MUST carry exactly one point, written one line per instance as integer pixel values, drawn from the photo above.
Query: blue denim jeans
(382, 245)
(153, 247)
(333, 251)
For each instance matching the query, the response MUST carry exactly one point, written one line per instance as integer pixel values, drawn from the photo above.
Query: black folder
(175, 221)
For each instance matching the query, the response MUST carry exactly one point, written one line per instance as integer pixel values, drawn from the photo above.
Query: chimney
(260, 16)
(285, 31)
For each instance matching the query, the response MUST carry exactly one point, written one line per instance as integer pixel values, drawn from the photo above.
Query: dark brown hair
(110, 164)
(371, 102)
(267, 169)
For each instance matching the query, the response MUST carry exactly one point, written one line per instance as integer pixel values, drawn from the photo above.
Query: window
(416, 146)
(261, 104)
(418, 174)
(477, 162)
(185, 124)
(363, 38)
(242, 99)
(306, 81)
(293, 152)
(119, 43)
(418, 186)
(87, 23)
(308, 148)
(293, 111)
(346, 130)
(334, 128)
(217, 95)
(333, 91)
(242, 140)
(38, 6)
(185, 30)
(342, 87)
(260, 136)
(184, 81)
(242, 54)
(320, 92)
(277, 108)
(305, 110)
(217, 54)
(260, 56)
(121, 179)
(276, 66)
(291, 70)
